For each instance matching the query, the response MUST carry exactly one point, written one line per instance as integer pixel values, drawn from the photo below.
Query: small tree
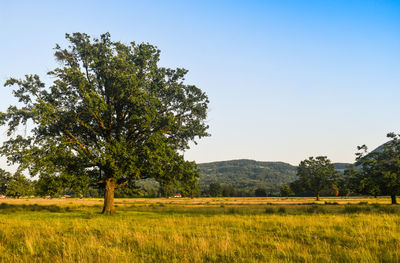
(379, 172)
(111, 116)
(316, 174)
(286, 191)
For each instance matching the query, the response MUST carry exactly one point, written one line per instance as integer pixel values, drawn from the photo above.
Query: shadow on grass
(162, 209)
(308, 209)
(12, 208)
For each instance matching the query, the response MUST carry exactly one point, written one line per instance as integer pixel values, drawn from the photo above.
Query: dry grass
(200, 230)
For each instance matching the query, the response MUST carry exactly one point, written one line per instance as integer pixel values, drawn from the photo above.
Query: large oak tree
(112, 115)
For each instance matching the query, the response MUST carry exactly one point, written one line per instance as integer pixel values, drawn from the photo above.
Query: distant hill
(250, 174)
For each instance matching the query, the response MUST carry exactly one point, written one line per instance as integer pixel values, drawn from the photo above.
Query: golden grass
(200, 230)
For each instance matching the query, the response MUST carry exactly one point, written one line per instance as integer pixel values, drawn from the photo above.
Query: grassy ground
(200, 230)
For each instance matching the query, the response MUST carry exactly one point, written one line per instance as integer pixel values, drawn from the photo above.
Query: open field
(200, 230)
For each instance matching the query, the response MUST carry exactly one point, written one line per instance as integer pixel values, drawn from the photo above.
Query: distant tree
(167, 189)
(215, 189)
(93, 192)
(286, 191)
(130, 190)
(260, 192)
(5, 178)
(190, 188)
(49, 185)
(228, 190)
(19, 186)
(379, 171)
(317, 174)
(112, 115)
(298, 188)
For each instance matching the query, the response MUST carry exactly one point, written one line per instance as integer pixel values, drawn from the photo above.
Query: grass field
(200, 230)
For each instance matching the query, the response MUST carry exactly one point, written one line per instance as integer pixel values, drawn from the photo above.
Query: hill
(249, 174)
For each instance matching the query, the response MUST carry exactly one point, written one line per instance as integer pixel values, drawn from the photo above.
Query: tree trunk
(108, 207)
(317, 196)
(394, 201)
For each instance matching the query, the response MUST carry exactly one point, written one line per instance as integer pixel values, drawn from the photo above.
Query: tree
(378, 171)
(228, 190)
(215, 189)
(316, 174)
(286, 191)
(112, 115)
(260, 192)
(5, 178)
(49, 185)
(19, 186)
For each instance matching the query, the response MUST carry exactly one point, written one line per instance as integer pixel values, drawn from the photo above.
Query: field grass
(200, 230)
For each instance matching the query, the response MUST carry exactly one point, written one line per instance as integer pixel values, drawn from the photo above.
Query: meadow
(200, 230)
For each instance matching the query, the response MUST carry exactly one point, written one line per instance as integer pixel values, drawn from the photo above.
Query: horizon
(286, 80)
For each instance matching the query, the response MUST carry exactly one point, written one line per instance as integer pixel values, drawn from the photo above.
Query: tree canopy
(112, 115)
(5, 178)
(19, 186)
(316, 174)
(378, 172)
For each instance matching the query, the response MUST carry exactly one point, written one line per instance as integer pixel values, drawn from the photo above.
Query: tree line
(375, 173)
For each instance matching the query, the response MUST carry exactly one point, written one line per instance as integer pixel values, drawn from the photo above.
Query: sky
(286, 79)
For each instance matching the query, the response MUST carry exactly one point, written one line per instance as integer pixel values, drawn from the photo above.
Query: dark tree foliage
(228, 190)
(5, 178)
(49, 185)
(112, 116)
(315, 175)
(19, 186)
(215, 189)
(378, 172)
(260, 192)
(286, 191)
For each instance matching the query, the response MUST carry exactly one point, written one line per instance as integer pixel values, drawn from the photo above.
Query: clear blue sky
(286, 79)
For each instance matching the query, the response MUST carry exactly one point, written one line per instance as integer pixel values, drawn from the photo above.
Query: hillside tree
(112, 115)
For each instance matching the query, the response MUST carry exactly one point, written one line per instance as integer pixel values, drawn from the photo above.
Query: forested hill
(250, 174)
